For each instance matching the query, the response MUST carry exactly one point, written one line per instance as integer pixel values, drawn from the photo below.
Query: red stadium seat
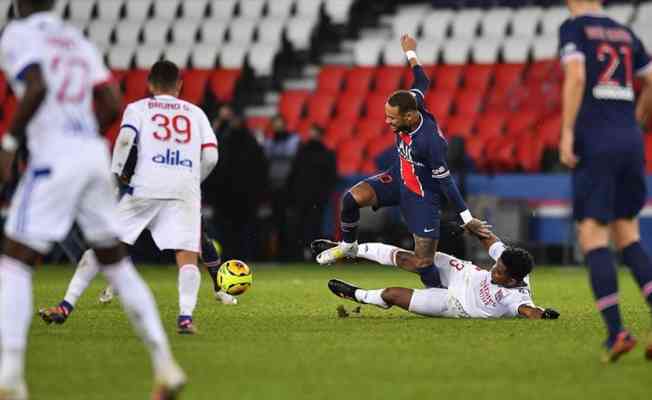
(337, 132)
(223, 82)
(375, 105)
(303, 128)
(369, 129)
(3, 88)
(349, 106)
(408, 76)
(320, 108)
(439, 102)
(119, 76)
(349, 157)
(491, 124)
(522, 121)
(540, 71)
(507, 76)
(291, 105)
(468, 101)
(112, 131)
(380, 144)
(388, 79)
(500, 154)
(136, 85)
(260, 124)
(549, 131)
(448, 77)
(194, 85)
(475, 149)
(648, 152)
(529, 152)
(358, 79)
(369, 167)
(459, 125)
(477, 76)
(331, 79)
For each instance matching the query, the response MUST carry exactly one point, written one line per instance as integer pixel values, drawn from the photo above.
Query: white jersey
(71, 67)
(170, 136)
(471, 294)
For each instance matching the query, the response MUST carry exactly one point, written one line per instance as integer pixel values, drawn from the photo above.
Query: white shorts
(174, 224)
(53, 194)
(432, 302)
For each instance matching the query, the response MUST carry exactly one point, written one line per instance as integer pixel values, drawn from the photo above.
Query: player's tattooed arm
(423, 255)
(537, 313)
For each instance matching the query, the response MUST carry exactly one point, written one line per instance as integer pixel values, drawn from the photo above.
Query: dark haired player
(418, 184)
(467, 291)
(603, 143)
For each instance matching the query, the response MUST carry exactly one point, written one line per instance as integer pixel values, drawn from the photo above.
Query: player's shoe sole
(624, 343)
(53, 315)
(343, 289)
(333, 251)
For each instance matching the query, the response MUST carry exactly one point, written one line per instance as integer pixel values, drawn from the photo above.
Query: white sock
(371, 297)
(86, 271)
(381, 253)
(15, 318)
(189, 281)
(138, 302)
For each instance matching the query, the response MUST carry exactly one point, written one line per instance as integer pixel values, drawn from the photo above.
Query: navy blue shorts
(421, 214)
(606, 188)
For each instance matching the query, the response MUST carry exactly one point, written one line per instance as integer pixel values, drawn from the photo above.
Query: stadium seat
(120, 57)
(155, 31)
(545, 47)
(4, 10)
(194, 85)
(337, 132)
(331, 78)
(448, 76)
(178, 54)
(212, 31)
(393, 55)
(302, 128)
(622, 13)
(429, 51)
(204, 56)
(308, 8)
(507, 75)
(522, 121)
(380, 144)
(109, 10)
(367, 129)
(529, 152)
(648, 153)
(500, 154)
(552, 19)
(516, 49)
(241, 30)
(485, 50)
(167, 9)
(135, 85)
(80, 9)
(232, 55)
(348, 106)
(490, 124)
(3, 88)
(299, 31)
(388, 79)
(128, 32)
(549, 130)
(279, 8)
(478, 76)
(291, 105)
(320, 108)
(474, 148)
(539, 71)
(408, 19)
(465, 23)
(375, 105)
(258, 124)
(338, 10)
(60, 7)
(526, 20)
(436, 24)
(184, 31)
(137, 10)
(358, 79)
(456, 51)
(99, 32)
(147, 55)
(368, 167)
(494, 22)
(251, 8)
(439, 102)
(459, 125)
(195, 9)
(261, 58)
(222, 9)
(468, 101)
(366, 51)
(270, 30)
(222, 83)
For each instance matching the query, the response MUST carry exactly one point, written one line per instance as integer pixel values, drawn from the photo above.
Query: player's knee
(625, 232)
(110, 255)
(349, 203)
(390, 295)
(592, 235)
(363, 194)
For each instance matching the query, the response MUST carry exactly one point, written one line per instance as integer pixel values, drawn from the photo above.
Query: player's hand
(566, 154)
(481, 229)
(550, 313)
(6, 159)
(408, 43)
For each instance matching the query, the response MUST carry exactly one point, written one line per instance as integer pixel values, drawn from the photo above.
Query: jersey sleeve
(208, 138)
(571, 41)
(520, 297)
(420, 85)
(15, 55)
(441, 173)
(641, 60)
(127, 138)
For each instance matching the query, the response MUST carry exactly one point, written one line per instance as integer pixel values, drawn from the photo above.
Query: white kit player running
(176, 149)
(467, 291)
(57, 75)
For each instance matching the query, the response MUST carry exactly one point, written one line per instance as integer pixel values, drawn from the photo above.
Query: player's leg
(212, 260)
(189, 283)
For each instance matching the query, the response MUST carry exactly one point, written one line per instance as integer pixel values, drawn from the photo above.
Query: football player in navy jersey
(416, 183)
(602, 142)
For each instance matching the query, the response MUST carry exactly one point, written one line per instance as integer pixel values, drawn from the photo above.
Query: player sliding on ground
(417, 183)
(467, 291)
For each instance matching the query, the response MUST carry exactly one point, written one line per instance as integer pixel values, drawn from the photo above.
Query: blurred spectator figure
(236, 187)
(312, 180)
(281, 150)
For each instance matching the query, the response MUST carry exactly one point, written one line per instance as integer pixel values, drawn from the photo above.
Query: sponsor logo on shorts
(173, 158)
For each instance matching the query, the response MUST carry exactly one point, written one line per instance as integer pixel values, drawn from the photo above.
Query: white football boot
(225, 298)
(341, 251)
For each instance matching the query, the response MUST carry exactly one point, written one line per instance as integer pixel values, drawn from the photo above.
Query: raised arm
(421, 81)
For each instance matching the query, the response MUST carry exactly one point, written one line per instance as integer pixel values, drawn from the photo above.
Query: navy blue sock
(350, 215)
(67, 307)
(636, 258)
(211, 258)
(429, 276)
(604, 282)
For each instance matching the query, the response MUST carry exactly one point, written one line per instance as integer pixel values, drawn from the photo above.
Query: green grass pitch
(285, 341)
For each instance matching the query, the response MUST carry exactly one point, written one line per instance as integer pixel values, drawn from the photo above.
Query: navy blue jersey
(422, 153)
(613, 56)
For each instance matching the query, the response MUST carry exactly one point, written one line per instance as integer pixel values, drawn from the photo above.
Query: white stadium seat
(516, 49)
(167, 8)
(552, 20)
(251, 8)
(80, 9)
(392, 52)
(644, 31)
(156, 31)
(146, 56)
(279, 8)
(242, 29)
(232, 55)
(222, 9)
(60, 7)
(184, 31)
(4, 10)
(194, 9)
(109, 10)
(120, 57)
(261, 58)
(99, 31)
(465, 23)
(270, 30)
(138, 9)
(80, 24)
(127, 31)
(494, 22)
(456, 50)
(485, 50)
(213, 31)
(526, 20)
(366, 51)
(309, 8)
(299, 31)
(436, 24)
(622, 13)
(408, 19)
(545, 47)
(178, 55)
(338, 10)
(203, 55)
(429, 51)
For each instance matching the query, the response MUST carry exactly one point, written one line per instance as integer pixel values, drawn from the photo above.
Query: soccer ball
(234, 277)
